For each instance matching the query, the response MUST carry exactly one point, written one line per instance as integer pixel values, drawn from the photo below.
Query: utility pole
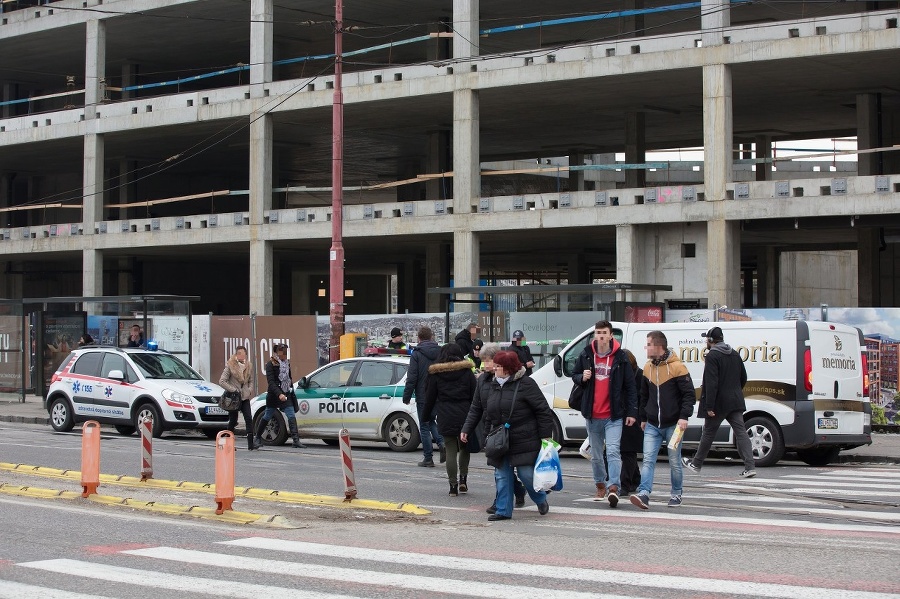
(336, 256)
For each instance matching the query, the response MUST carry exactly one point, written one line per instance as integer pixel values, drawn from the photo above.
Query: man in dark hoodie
(466, 338)
(426, 352)
(722, 398)
(609, 397)
(666, 402)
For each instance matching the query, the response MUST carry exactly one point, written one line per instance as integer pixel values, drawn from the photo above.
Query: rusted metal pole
(336, 256)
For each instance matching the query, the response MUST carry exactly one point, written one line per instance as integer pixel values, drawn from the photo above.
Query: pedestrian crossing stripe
(816, 482)
(854, 482)
(829, 490)
(226, 588)
(18, 590)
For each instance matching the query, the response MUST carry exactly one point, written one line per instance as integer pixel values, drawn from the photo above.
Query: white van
(807, 384)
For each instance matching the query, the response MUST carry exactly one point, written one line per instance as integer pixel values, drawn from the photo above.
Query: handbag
(496, 443)
(230, 401)
(575, 397)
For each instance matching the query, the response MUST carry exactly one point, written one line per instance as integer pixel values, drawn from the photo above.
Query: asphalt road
(793, 531)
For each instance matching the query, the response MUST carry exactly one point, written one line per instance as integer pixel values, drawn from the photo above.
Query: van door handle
(384, 396)
(827, 414)
(335, 397)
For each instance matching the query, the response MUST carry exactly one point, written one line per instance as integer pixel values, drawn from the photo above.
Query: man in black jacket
(466, 338)
(426, 352)
(522, 350)
(666, 402)
(609, 397)
(722, 398)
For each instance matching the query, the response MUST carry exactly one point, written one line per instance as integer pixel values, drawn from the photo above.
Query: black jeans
(248, 419)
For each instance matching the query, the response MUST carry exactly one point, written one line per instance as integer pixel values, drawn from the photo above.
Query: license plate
(217, 411)
(828, 423)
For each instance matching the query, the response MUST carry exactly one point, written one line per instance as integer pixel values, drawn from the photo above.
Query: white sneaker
(748, 473)
(689, 464)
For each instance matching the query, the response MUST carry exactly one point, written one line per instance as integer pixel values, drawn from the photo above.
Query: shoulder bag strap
(513, 406)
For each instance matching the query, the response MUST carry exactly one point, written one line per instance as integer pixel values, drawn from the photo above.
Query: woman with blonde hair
(238, 378)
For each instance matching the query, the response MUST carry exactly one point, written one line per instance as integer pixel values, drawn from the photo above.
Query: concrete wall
(812, 278)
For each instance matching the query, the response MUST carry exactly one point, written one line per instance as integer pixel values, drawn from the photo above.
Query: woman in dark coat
(448, 391)
(280, 395)
(529, 421)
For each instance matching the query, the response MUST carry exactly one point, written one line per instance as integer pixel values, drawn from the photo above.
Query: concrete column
(92, 177)
(5, 183)
(261, 269)
(94, 66)
(717, 131)
(763, 150)
(629, 256)
(466, 151)
(261, 45)
(261, 135)
(466, 261)
(715, 15)
(723, 258)
(465, 27)
(767, 278)
(92, 272)
(436, 275)
(576, 178)
(8, 91)
(868, 134)
(869, 260)
(635, 148)
(129, 76)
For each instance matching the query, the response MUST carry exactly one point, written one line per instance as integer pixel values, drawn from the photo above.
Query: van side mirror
(557, 365)
(116, 375)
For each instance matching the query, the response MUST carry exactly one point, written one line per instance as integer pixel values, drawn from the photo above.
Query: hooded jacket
(622, 388)
(530, 421)
(465, 341)
(724, 377)
(667, 392)
(422, 357)
(449, 391)
(235, 378)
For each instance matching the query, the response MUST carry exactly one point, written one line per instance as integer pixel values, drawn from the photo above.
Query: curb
(210, 488)
(229, 516)
(866, 459)
(26, 419)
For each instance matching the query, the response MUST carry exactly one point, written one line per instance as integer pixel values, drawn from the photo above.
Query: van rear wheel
(765, 441)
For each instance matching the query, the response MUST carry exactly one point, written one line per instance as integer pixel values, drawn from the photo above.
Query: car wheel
(124, 429)
(61, 416)
(332, 442)
(401, 432)
(149, 411)
(820, 456)
(557, 431)
(275, 432)
(765, 440)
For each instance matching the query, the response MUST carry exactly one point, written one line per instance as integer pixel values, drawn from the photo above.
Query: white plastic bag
(547, 471)
(585, 449)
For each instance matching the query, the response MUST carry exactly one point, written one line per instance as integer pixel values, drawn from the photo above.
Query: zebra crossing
(327, 571)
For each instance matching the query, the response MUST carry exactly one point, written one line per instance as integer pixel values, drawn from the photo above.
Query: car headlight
(171, 395)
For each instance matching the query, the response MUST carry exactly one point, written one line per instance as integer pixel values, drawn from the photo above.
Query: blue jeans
(653, 440)
(288, 411)
(605, 431)
(505, 479)
(429, 433)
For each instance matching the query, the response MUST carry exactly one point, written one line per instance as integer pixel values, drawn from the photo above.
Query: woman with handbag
(515, 403)
(280, 395)
(449, 389)
(238, 378)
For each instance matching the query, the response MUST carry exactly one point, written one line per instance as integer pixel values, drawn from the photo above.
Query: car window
(88, 364)
(163, 366)
(65, 362)
(399, 372)
(335, 375)
(374, 374)
(113, 362)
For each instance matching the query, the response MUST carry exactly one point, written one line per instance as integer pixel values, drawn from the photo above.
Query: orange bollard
(146, 450)
(90, 457)
(224, 471)
(347, 464)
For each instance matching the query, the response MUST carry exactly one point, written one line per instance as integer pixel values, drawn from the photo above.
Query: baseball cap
(280, 346)
(714, 333)
(518, 334)
(477, 343)
(396, 332)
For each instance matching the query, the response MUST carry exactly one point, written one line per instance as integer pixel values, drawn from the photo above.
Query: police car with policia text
(363, 395)
(123, 386)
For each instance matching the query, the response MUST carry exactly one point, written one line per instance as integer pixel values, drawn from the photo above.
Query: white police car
(123, 386)
(363, 395)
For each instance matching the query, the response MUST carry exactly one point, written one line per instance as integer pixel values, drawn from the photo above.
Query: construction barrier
(347, 461)
(224, 471)
(90, 457)
(146, 449)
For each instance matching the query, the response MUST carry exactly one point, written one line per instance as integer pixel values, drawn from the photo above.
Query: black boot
(463, 487)
(454, 489)
(250, 445)
(297, 444)
(259, 431)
